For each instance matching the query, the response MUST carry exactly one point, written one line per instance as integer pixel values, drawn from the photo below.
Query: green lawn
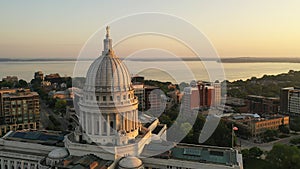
(256, 164)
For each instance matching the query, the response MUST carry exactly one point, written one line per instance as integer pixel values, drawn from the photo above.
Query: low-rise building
(261, 104)
(255, 125)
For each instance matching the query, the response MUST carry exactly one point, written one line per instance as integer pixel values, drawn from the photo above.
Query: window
(97, 98)
(124, 97)
(118, 98)
(104, 98)
(111, 98)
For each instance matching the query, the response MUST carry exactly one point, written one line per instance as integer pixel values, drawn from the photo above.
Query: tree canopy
(284, 156)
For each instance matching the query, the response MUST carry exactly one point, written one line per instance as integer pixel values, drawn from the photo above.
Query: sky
(236, 28)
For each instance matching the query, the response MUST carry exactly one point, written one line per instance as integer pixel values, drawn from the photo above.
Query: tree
(269, 135)
(165, 120)
(255, 152)
(22, 83)
(295, 141)
(245, 153)
(6, 84)
(60, 106)
(294, 123)
(284, 129)
(222, 136)
(284, 156)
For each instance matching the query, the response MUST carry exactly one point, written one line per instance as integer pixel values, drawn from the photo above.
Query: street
(264, 146)
(46, 112)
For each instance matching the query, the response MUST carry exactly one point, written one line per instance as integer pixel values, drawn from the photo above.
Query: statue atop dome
(107, 42)
(107, 31)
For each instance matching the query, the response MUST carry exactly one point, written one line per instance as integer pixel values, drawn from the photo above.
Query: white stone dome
(130, 162)
(108, 74)
(58, 153)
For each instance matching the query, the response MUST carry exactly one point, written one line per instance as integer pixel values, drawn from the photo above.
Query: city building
(155, 100)
(235, 104)
(191, 99)
(203, 94)
(217, 93)
(256, 125)
(139, 91)
(19, 109)
(112, 133)
(261, 104)
(290, 100)
(150, 98)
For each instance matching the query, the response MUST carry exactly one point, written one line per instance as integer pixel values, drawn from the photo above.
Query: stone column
(93, 123)
(2, 163)
(127, 121)
(8, 164)
(117, 118)
(130, 120)
(81, 118)
(15, 163)
(137, 119)
(123, 121)
(86, 122)
(134, 121)
(100, 124)
(22, 164)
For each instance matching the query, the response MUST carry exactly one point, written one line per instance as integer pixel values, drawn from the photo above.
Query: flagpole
(232, 135)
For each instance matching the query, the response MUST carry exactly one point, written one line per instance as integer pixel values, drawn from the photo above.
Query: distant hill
(223, 60)
(268, 85)
(257, 59)
(32, 60)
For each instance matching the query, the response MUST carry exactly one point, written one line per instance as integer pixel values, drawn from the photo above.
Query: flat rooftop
(204, 154)
(40, 137)
(195, 153)
(83, 162)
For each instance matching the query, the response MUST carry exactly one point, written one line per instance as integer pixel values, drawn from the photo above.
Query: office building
(290, 100)
(262, 105)
(19, 109)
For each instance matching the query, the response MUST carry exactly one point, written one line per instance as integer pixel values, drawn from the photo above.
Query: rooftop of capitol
(197, 153)
(41, 137)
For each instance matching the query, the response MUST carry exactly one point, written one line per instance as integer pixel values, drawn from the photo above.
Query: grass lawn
(256, 164)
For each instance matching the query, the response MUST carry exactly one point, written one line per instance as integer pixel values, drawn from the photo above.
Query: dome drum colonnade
(108, 107)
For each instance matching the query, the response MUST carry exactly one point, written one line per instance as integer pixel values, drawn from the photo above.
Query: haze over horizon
(59, 29)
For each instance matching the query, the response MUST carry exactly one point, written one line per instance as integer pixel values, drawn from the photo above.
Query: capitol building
(112, 133)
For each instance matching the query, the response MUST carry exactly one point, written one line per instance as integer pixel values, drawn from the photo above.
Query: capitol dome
(108, 106)
(130, 162)
(58, 153)
(108, 74)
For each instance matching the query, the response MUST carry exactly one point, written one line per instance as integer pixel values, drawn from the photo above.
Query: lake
(174, 71)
